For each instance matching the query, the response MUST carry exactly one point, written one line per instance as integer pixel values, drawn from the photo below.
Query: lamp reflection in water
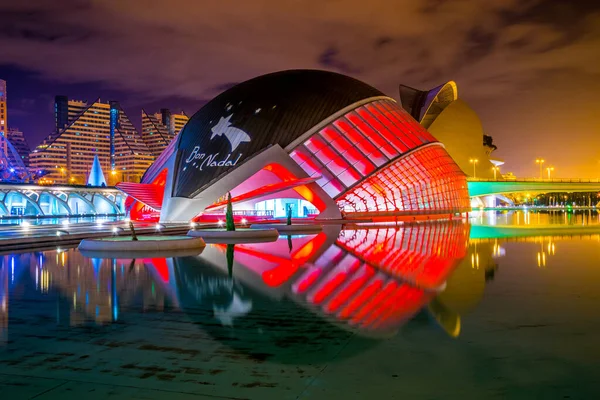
(545, 250)
(3, 302)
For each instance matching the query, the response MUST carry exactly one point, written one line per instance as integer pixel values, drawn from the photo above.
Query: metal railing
(541, 180)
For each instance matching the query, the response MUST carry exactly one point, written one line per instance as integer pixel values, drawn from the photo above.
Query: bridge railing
(552, 180)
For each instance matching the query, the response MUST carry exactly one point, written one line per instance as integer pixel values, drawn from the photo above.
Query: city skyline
(529, 69)
(40, 118)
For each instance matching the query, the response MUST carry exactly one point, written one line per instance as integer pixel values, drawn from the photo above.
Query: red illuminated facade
(376, 159)
(353, 152)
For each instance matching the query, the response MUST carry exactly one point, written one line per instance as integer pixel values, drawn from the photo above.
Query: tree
(229, 214)
(133, 235)
(230, 255)
(488, 141)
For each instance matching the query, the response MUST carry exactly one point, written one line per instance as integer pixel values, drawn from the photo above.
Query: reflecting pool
(428, 310)
(536, 217)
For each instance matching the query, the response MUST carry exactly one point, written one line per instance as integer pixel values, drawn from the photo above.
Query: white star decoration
(222, 125)
(236, 309)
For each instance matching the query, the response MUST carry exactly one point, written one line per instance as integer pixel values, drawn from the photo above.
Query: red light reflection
(371, 279)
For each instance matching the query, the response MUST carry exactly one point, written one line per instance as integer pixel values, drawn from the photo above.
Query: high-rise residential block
(84, 130)
(3, 124)
(160, 128)
(14, 151)
(19, 143)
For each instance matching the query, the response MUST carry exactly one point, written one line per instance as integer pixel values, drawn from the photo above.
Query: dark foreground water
(376, 312)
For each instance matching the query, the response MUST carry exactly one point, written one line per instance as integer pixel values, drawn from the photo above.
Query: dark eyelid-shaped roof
(272, 109)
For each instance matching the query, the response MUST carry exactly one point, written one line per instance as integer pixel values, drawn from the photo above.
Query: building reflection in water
(465, 286)
(85, 289)
(3, 303)
(367, 280)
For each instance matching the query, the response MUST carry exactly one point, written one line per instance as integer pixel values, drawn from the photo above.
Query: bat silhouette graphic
(234, 135)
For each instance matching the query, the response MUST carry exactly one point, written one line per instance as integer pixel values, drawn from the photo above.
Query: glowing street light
(540, 161)
(549, 169)
(474, 161)
(496, 170)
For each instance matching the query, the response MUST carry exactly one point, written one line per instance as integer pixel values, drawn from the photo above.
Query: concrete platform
(45, 236)
(294, 228)
(141, 254)
(144, 245)
(237, 236)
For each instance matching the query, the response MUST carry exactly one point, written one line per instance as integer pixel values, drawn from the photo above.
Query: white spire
(96, 177)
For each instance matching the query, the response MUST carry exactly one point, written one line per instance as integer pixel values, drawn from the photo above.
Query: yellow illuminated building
(3, 120)
(454, 123)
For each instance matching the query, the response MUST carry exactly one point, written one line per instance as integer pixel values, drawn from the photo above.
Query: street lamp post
(540, 161)
(63, 174)
(549, 169)
(495, 169)
(474, 161)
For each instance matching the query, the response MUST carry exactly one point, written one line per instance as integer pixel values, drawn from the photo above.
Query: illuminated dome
(323, 144)
(272, 109)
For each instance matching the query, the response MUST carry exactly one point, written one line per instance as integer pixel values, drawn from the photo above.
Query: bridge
(482, 190)
(32, 200)
(482, 187)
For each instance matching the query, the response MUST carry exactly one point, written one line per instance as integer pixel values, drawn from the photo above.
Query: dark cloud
(223, 86)
(330, 59)
(383, 41)
(479, 44)
(504, 54)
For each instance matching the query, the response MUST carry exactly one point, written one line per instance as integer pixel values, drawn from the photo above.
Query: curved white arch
(35, 196)
(3, 210)
(26, 198)
(73, 196)
(446, 94)
(62, 195)
(60, 201)
(99, 209)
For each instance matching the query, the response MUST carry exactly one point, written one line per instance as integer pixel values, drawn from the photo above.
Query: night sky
(531, 69)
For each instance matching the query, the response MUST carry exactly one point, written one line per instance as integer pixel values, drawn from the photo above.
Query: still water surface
(379, 311)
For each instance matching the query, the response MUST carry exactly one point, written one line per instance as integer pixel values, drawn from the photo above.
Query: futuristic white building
(324, 144)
